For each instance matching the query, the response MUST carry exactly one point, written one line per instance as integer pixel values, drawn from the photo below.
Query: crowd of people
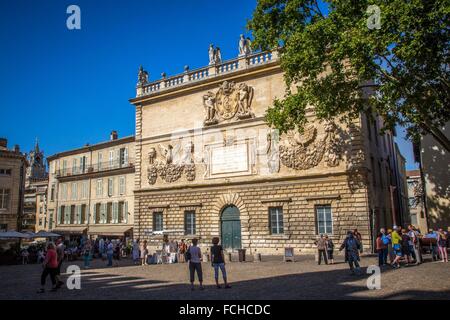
(394, 247)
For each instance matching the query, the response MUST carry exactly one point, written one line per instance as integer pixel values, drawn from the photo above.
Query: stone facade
(202, 145)
(416, 200)
(90, 189)
(12, 183)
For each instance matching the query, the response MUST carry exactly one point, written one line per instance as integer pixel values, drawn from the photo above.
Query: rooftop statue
(244, 46)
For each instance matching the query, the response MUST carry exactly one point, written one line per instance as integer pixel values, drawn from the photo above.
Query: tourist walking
(405, 242)
(442, 245)
(60, 249)
(432, 235)
(116, 252)
(218, 262)
(144, 253)
(50, 266)
(321, 249)
(182, 247)
(396, 246)
(101, 248)
(358, 237)
(352, 248)
(87, 254)
(194, 255)
(135, 251)
(414, 247)
(381, 249)
(109, 252)
(386, 238)
(330, 249)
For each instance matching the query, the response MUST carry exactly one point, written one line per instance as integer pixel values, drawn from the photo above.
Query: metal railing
(97, 167)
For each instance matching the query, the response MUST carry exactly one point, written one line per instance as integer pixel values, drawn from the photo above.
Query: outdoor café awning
(70, 229)
(108, 230)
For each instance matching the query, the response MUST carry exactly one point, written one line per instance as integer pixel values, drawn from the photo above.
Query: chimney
(113, 135)
(3, 143)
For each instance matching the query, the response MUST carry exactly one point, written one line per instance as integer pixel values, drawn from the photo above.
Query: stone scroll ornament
(302, 151)
(231, 101)
(175, 162)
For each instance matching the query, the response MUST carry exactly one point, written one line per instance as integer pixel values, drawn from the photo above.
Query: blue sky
(71, 87)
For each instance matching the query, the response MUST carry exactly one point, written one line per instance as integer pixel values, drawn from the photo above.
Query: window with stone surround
(276, 220)
(4, 198)
(5, 172)
(324, 218)
(158, 221)
(99, 188)
(122, 185)
(110, 187)
(189, 222)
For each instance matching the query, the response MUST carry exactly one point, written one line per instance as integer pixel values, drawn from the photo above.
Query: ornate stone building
(90, 189)
(35, 196)
(13, 166)
(208, 165)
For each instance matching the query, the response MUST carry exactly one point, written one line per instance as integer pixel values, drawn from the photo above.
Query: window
(63, 191)
(5, 172)
(110, 186)
(72, 215)
(157, 221)
(52, 193)
(83, 164)
(123, 212)
(123, 157)
(3, 227)
(324, 220)
(74, 166)
(50, 218)
(66, 215)
(100, 159)
(64, 167)
(97, 209)
(99, 187)
(4, 198)
(40, 221)
(84, 190)
(83, 214)
(60, 217)
(189, 222)
(121, 185)
(276, 220)
(111, 159)
(74, 194)
(109, 212)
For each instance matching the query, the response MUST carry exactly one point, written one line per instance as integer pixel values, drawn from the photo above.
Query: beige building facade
(435, 164)
(90, 190)
(12, 183)
(208, 165)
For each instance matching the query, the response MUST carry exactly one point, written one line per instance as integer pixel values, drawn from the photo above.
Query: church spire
(36, 146)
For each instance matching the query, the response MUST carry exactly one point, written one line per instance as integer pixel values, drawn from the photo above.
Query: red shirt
(51, 261)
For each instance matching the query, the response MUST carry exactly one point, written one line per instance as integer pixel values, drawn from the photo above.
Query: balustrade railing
(233, 65)
(96, 167)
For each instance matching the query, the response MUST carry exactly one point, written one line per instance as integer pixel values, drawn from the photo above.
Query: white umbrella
(14, 235)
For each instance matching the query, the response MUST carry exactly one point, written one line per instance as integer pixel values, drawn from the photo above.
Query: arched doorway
(230, 226)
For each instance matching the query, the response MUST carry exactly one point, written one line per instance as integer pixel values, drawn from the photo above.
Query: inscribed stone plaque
(229, 159)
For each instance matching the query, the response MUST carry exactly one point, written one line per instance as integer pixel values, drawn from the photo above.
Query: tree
(333, 54)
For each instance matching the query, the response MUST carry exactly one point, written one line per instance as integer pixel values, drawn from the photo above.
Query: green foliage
(332, 60)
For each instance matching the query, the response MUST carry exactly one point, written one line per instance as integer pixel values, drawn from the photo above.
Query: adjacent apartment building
(13, 166)
(90, 190)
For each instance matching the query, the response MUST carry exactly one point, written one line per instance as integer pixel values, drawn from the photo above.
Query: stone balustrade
(189, 76)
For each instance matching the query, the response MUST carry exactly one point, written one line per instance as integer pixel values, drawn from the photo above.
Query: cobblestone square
(271, 279)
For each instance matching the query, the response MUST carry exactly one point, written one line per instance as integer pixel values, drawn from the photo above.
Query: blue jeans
(110, 256)
(87, 260)
(222, 269)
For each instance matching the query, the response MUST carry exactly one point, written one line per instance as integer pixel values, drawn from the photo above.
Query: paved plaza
(270, 279)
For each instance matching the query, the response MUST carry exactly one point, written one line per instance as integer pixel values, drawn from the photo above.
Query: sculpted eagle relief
(302, 151)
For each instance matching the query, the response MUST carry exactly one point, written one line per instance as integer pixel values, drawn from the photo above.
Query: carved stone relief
(175, 161)
(229, 102)
(302, 151)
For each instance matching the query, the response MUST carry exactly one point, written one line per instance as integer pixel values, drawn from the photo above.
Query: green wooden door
(231, 228)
